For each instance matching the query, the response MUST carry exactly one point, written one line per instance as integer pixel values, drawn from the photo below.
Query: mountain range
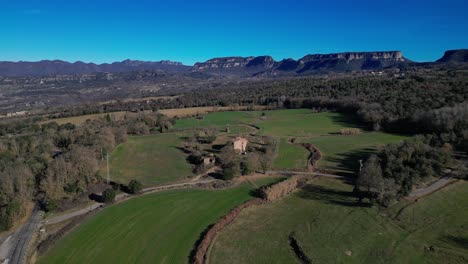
(238, 66)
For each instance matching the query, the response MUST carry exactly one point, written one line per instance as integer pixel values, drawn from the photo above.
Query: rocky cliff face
(347, 61)
(235, 64)
(351, 61)
(455, 56)
(348, 56)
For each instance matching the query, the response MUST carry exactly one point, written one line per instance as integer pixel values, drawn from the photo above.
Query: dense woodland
(56, 164)
(52, 163)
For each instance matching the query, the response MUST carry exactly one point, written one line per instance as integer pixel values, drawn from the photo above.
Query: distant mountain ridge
(49, 67)
(334, 62)
(236, 66)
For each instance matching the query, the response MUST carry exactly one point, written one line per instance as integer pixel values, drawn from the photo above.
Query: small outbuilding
(209, 160)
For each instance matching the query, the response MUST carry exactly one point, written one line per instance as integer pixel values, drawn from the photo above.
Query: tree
(135, 186)
(245, 168)
(120, 134)
(370, 177)
(231, 170)
(108, 195)
(84, 164)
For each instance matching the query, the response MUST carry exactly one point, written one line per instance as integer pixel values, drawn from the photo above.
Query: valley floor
(323, 218)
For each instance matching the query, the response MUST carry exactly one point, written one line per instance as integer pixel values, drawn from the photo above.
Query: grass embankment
(152, 159)
(331, 228)
(156, 228)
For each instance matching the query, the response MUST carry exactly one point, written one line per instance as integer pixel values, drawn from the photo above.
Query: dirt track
(439, 184)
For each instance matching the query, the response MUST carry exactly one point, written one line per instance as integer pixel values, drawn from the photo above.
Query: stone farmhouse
(240, 144)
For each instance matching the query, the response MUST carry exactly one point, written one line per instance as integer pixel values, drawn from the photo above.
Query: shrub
(9, 214)
(245, 167)
(108, 195)
(231, 170)
(135, 186)
(281, 189)
(50, 205)
(350, 131)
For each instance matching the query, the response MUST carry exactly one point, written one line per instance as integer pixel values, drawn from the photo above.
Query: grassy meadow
(341, 153)
(151, 159)
(290, 156)
(331, 228)
(217, 119)
(302, 123)
(155, 228)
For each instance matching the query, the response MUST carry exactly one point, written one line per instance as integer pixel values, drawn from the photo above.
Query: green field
(152, 159)
(215, 119)
(156, 228)
(290, 156)
(302, 123)
(331, 228)
(341, 153)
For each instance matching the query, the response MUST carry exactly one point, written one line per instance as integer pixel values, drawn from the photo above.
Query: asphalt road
(16, 246)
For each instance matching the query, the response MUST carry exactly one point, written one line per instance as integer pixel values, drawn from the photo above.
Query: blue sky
(190, 31)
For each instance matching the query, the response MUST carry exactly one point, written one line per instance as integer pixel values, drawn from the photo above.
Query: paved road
(442, 182)
(15, 247)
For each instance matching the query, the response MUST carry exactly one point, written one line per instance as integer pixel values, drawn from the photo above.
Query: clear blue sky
(190, 31)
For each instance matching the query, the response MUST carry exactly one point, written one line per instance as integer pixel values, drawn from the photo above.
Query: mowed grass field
(151, 159)
(78, 120)
(216, 119)
(290, 156)
(176, 112)
(155, 228)
(302, 123)
(331, 228)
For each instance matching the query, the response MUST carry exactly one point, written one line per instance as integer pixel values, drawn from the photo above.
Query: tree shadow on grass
(331, 196)
(461, 242)
(348, 120)
(96, 197)
(348, 163)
